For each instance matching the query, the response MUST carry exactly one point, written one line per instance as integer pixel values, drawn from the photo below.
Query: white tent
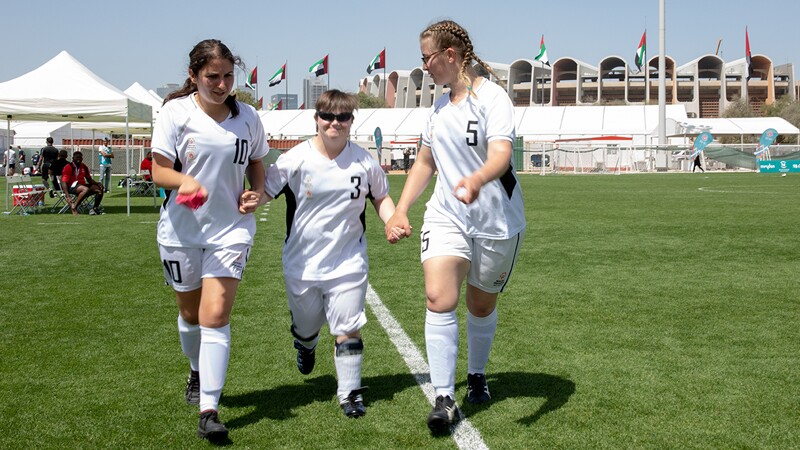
(65, 90)
(34, 134)
(142, 95)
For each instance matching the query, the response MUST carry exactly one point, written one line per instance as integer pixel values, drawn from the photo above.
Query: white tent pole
(127, 164)
(10, 141)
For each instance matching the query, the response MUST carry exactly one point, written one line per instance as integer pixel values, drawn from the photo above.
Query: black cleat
(444, 414)
(353, 405)
(306, 358)
(477, 389)
(193, 388)
(210, 427)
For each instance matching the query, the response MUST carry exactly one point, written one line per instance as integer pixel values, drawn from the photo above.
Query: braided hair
(202, 53)
(447, 33)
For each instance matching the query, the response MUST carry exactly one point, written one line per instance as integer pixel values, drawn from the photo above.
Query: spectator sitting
(75, 177)
(147, 164)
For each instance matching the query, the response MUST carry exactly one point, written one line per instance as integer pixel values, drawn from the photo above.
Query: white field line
(465, 435)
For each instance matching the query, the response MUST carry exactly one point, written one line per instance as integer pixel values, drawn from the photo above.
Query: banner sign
(766, 140)
(701, 141)
(777, 166)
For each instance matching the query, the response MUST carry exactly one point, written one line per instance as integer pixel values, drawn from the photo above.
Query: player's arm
(165, 175)
(418, 178)
(497, 163)
(384, 207)
(256, 196)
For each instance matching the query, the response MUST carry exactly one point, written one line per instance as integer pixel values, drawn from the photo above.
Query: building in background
(289, 101)
(705, 86)
(313, 87)
(166, 89)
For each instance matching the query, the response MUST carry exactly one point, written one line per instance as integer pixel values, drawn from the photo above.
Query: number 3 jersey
(217, 156)
(325, 209)
(458, 135)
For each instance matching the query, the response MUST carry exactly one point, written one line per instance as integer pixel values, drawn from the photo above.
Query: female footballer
(328, 182)
(473, 223)
(204, 144)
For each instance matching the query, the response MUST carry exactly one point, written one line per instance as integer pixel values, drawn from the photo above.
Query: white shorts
(491, 260)
(340, 302)
(184, 268)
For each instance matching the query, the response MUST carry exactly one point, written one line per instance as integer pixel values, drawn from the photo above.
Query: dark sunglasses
(341, 117)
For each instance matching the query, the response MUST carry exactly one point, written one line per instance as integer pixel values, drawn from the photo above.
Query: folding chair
(62, 205)
(146, 187)
(25, 197)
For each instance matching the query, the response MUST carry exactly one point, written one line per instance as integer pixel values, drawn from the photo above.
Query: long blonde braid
(448, 33)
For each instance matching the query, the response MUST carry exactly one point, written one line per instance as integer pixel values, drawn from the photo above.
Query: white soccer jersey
(326, 202)
(217, 156)
(458, 135)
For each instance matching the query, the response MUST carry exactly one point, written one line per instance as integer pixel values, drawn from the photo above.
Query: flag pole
(256, 83)
(385, 103)
(285, 63)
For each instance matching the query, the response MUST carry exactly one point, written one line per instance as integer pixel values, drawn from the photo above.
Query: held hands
(249, 201)
(397, 227)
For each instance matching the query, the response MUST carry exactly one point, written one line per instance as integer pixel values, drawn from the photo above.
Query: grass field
(647, 311)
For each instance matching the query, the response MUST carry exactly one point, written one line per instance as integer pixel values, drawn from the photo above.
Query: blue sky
(148, 41)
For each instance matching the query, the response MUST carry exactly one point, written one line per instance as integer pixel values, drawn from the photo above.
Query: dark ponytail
(200, 55)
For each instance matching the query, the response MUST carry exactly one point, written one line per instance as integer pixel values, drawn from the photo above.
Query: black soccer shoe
(353, 405)
(477, 389)
(193, 388)
(444, 414)
(210, 427)
(306, 358)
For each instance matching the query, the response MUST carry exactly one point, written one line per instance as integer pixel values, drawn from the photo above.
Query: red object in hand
(192, 201)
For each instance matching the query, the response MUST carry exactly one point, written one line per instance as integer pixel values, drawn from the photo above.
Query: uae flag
(542, 56)
(277, 106)
(279, 76)
(320, 67)
(747, 54)
(303, 106)
(378, 62)
(641, 52)
(252, 79)
(260, 103)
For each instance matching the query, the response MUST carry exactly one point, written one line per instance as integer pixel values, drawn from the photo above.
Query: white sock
(480, 335)
(441, 342)
(215, 350)
(348, 371)
(190, 342)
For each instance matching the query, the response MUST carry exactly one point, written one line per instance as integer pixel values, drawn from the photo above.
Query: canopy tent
(65, 90)
(138, 92)
(35, 134)
(575, 122)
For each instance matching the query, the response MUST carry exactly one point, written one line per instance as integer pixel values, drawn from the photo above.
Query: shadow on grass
(555, 390)
(280, 402)
(135, 209)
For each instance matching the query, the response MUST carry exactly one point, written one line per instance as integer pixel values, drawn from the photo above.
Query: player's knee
(302, 338)
(350, 347)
